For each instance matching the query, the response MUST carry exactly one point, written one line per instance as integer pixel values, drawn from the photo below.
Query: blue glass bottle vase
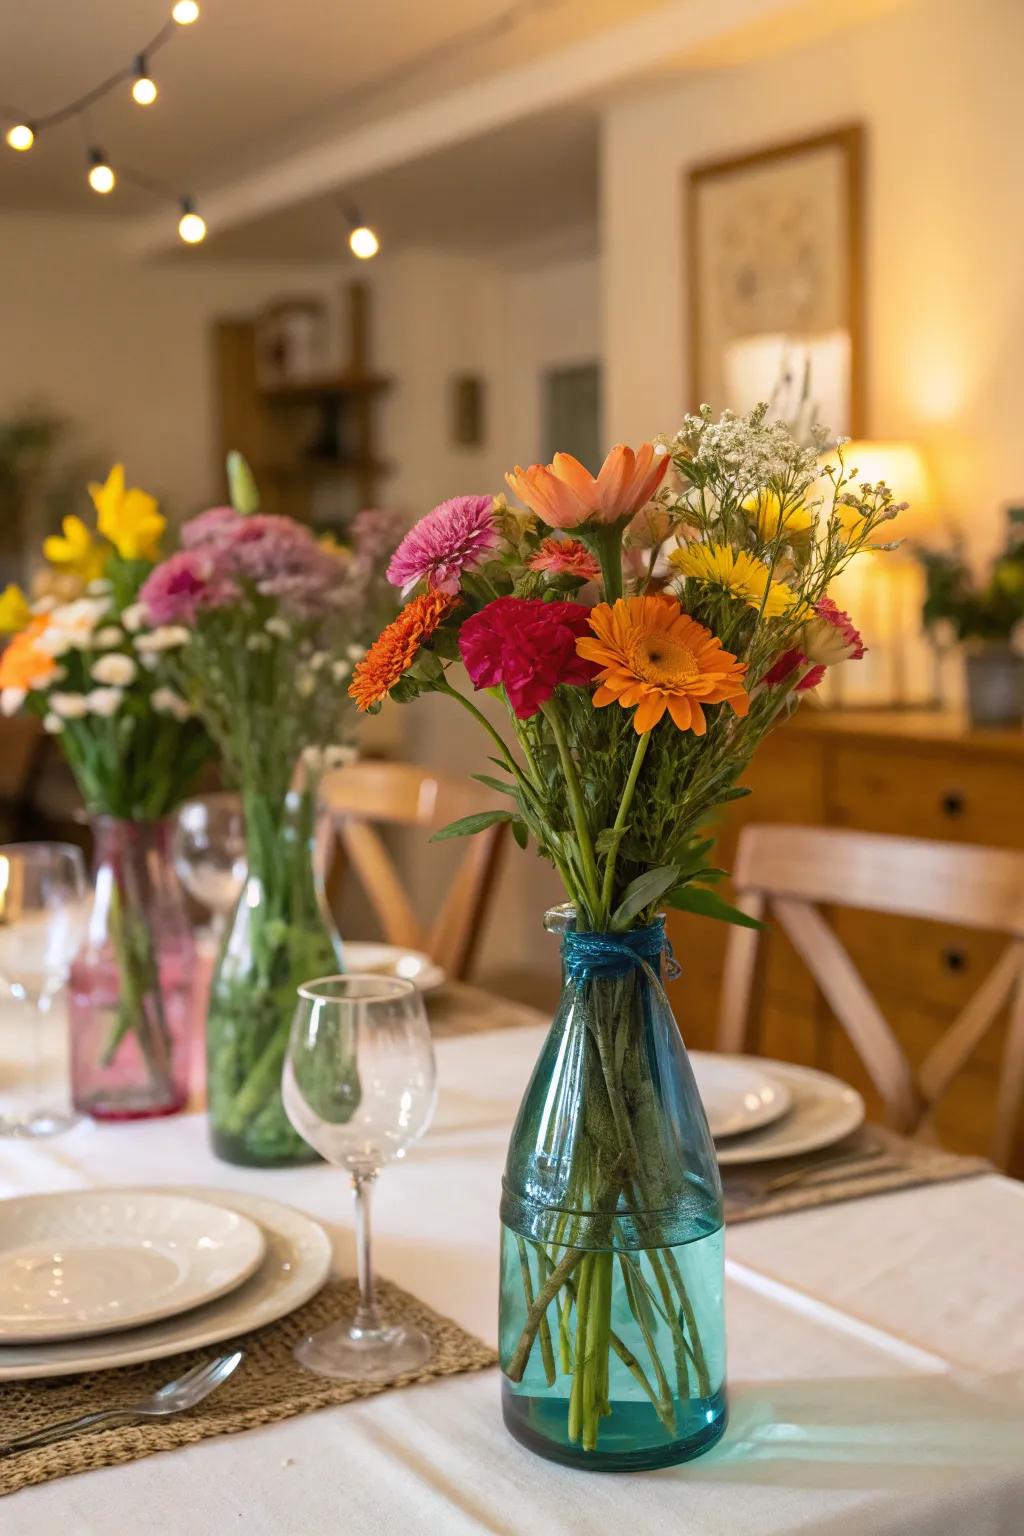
(612, 1321)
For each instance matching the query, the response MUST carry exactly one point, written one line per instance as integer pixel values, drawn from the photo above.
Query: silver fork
(175, 1397)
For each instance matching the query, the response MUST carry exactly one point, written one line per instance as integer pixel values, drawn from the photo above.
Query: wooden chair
(403, 795)
(785, 872)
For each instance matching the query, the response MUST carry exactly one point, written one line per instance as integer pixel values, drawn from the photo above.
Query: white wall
(938, 86)
(122, 347)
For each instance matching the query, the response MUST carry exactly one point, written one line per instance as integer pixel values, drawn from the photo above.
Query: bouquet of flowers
(85, 659)
(272, 620)
(641, 630)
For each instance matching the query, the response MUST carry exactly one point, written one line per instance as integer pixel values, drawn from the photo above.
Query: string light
(20, 136)
(144, 89)
(23, 132)
(191, 225)
(101, 177)
(362, 240)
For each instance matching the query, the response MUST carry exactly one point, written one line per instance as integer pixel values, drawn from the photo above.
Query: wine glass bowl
(359, 1085)
(209, 851)
(44, 913)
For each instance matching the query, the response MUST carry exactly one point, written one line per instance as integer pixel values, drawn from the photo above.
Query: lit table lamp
(884, 593)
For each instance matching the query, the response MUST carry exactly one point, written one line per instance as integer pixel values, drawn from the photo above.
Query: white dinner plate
(738, 1096)
(96, 1260)
(391, 960)
(296, 1264)
(822, 1110)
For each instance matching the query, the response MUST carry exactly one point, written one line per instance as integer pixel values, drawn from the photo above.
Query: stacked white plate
(761, 1110)
(94, 1279)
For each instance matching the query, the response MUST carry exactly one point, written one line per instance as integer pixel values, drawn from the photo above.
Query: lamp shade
(902, 467)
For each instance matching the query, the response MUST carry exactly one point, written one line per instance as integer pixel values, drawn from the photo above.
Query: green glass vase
(612, 1326)
(277, 938)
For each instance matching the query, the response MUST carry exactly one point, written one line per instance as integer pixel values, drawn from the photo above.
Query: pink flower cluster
(456, 536)
(225, 554)
(529, 647)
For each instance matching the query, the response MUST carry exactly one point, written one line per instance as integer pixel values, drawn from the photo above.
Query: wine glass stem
(367, 1319)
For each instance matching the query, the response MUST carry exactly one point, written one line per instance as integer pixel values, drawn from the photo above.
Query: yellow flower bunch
(126, 519)
(740, 574)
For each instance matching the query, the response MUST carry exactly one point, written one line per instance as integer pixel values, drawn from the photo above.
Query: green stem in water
(546, 1352)
(620, 822)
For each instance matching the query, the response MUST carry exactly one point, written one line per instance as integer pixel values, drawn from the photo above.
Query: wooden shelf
(329, 386)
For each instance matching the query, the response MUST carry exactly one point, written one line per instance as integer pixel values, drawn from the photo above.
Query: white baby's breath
(166, 702)
(167, 638)
(135, 617)
(278, 627)
(116, 669)
(341, 670)
(52, 724)
(11, 700)
(106, 638)
(69, 706)
(104, 701)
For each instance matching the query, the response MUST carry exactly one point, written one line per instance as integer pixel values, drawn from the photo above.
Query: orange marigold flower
(655, 657)
(23, 664)
(396, 648)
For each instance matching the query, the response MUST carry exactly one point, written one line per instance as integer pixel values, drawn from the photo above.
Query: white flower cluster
(745, 451)
(79, 628)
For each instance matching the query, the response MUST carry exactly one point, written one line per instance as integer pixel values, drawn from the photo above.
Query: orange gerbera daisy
(22, 664)
(656, 657)
(396, 648)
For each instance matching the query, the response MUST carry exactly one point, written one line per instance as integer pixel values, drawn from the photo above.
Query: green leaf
(642, 891)
(738, 793)
(609, 839)
(521, 833)
(492, 783)
(689, 898)
(466, 826)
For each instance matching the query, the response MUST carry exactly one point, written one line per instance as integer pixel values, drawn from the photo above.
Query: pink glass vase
(131, 985)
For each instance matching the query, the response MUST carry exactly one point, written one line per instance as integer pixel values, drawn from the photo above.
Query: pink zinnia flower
(209, 527)
(787, 663)
(182, 584)
(831, 636)
(528, 647)
(457, 536)
(565, 557)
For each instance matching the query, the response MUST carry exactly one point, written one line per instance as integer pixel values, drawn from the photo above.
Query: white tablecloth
(876, 1367)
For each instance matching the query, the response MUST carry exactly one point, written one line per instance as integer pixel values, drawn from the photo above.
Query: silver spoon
(175, 1397)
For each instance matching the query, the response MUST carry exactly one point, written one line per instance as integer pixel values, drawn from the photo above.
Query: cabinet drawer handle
(953, 803)
(955, 961)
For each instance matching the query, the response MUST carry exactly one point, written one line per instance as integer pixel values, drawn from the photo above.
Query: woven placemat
(268, 1385)
(872, 1161)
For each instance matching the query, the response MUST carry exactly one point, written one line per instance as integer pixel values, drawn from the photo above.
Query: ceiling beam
(583, 71)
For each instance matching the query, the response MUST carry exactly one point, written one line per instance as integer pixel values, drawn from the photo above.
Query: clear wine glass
(44, 912)
(360, 1086)
(209, 852)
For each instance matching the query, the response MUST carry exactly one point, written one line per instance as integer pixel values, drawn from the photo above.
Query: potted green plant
(987, 618)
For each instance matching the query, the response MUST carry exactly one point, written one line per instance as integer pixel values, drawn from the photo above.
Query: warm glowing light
(144, 91)
(185, 12)
(20, 136)
(363, 242)
(903, 469)
(192, 227)
(101, 177)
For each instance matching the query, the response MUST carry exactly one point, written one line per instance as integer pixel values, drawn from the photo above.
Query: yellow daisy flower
(128, 517)
(75, 551)
(15, 613)
(736, 572)
(770, 517)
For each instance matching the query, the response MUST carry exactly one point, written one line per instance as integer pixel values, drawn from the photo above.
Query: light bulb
(101, 177)
(191, 225)
(143, 88)
(363, 242)
(20, 136)
(185, 12)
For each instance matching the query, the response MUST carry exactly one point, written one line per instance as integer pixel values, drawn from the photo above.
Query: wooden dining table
(876, 1357)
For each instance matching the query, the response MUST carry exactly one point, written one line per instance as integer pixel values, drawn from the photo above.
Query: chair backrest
(403, 795)
(785, 872)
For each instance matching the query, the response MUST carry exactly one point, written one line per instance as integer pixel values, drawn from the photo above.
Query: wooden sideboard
(917, 774)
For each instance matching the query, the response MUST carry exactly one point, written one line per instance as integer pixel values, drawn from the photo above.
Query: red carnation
(527, 646)
(787, 663)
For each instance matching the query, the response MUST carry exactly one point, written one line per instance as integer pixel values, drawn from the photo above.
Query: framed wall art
(775, 279)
